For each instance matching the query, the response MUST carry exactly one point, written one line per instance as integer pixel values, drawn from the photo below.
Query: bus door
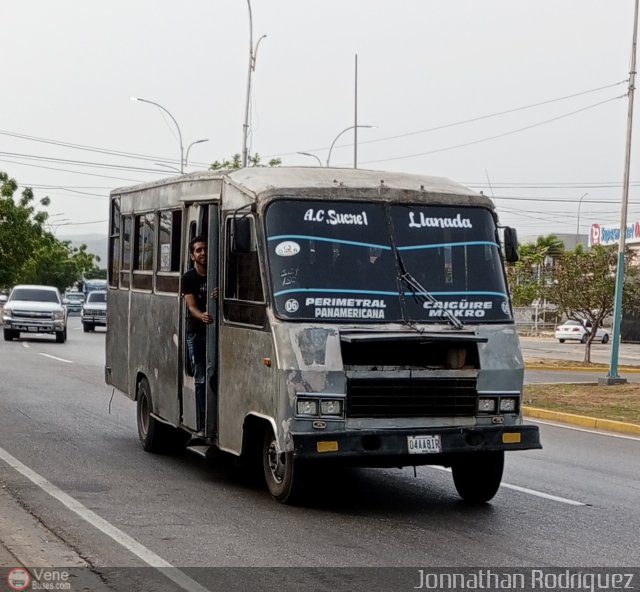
(197, 224)
(213, 275)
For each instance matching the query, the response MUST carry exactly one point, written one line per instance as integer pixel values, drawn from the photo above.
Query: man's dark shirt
(196, 284)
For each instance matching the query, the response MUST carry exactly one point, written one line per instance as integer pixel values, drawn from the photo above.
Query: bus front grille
(411, 397)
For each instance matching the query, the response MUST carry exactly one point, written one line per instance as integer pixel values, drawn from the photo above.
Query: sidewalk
(25, 541)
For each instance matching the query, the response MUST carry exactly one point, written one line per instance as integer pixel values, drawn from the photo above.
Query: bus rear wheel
(477, 476)
(282, 473)
(154, 435)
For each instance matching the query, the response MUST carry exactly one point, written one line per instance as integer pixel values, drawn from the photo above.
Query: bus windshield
(349, 262)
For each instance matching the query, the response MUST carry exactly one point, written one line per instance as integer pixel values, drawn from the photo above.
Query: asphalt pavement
(24, 541)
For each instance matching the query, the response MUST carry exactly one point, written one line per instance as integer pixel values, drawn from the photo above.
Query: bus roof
(265, 181)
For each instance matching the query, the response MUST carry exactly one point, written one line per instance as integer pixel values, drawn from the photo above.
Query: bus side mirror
(241, 235)
(511, 245)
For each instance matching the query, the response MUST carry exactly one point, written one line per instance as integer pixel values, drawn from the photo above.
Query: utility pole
(355, 117)
(613, 377)
(253, 51)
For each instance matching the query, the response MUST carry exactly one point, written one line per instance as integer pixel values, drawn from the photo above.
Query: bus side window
(143, 245)
(243, 293)
(168, 256)
(125, 265)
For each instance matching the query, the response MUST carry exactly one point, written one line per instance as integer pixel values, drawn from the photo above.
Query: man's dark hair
(197, 239)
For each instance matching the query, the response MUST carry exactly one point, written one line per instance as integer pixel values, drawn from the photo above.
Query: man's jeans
(197, 346)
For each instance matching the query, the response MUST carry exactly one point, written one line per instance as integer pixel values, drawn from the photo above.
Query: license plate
(33, 329)
(424, 444)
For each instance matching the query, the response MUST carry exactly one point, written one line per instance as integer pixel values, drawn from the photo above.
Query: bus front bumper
(407, 447)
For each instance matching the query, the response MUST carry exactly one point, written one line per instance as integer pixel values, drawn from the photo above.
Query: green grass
(617, 402)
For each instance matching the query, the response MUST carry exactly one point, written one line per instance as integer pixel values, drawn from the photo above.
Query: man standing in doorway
(194, 290)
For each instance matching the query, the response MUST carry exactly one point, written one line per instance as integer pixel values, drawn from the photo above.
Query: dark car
(74, 302)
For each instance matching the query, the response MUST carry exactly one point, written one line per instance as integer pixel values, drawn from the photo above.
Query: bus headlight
(486, 405)
(331, 407)
(307, 407)
(508, 404)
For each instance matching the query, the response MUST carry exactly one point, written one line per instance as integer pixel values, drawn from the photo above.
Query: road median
(583, 420)
(572, 366)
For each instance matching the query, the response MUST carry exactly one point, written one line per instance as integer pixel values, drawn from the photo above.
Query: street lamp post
(253, 52)
(174, 121)
(578, 222)
(346, 129)
(613, 377)
(312, 156)
(186, 158)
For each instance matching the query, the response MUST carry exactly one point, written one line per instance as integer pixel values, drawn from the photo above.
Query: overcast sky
(69, 67)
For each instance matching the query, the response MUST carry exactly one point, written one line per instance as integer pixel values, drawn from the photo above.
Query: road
(547, 348)
(572, 504)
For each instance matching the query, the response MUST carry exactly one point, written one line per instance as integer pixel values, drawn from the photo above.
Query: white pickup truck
(34, 309)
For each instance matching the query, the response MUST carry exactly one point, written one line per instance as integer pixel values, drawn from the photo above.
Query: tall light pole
(312, 156)
(578, 222)
(613, 377)
(346, 129)
(174, 121)
(186, 158)
(355, 114)
(253, 52)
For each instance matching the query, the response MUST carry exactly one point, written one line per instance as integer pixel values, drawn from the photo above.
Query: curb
(583, 420)
(542, 367)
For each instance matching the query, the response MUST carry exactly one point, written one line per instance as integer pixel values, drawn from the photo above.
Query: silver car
(34, 309)
(94, 310)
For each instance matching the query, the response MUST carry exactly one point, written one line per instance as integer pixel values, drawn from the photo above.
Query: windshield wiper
(421, 294)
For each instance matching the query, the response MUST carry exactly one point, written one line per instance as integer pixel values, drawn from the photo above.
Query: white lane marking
(56, 358)
(548, 496)
(129, 543)
(588, 430)
(25, 344)
(555, 498)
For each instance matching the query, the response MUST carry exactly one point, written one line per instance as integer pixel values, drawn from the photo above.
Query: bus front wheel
(477, 476)
(281, 472)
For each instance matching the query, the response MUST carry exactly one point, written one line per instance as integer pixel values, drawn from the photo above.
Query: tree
(28, 252)
(583, 287)
(21, 228)
(96, 273)
(236, 162)
(528, 276)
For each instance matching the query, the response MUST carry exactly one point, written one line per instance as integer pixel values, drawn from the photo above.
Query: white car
(579, 331)
(34, 309)
(94, 310)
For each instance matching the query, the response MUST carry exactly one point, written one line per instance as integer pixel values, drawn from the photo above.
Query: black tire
(605, 338)
(86, 327)
(561, 340)
(61, 336)
(284, 475)
(10, 334)
(477, 476)
(584, 338)
(154, 435)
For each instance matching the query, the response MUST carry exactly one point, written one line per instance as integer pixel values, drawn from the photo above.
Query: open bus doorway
(201, 222)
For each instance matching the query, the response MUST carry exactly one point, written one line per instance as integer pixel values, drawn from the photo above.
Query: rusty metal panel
(246, 385)
(117, 342)
(154, 349)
